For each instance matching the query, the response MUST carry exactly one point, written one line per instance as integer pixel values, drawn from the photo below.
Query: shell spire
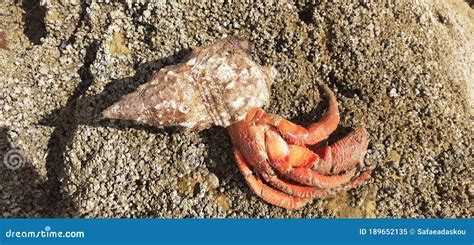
(216, 85)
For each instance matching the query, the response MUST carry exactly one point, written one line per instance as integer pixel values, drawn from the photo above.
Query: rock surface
(405, 71)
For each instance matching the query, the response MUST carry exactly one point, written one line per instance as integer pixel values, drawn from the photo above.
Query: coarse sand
(403, 70)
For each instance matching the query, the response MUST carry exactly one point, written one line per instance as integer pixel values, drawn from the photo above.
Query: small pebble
(213, 180)
(393, 93)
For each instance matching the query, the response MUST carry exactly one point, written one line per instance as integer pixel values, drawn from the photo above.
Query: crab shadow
(24, 191)
(83, 109)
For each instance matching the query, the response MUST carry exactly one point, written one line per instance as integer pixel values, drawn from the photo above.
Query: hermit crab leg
(297, 190)
(266, 192)
(280, 155)
(345, 154)
(255, 156)
(315, 132)
(315, 192)
(302, 157)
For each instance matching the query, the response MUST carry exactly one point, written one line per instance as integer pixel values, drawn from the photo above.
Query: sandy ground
(405, 71)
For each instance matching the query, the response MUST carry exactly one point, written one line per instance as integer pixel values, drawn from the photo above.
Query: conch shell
(216, 85)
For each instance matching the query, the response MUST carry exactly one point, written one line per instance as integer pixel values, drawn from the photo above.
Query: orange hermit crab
(289, 170)
(282, 162)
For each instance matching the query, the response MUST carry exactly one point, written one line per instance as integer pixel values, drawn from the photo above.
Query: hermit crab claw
(283, 165)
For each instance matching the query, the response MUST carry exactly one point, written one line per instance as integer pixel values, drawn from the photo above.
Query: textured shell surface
(216, 85)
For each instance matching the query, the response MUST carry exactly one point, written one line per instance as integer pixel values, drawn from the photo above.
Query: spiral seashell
(216, 85)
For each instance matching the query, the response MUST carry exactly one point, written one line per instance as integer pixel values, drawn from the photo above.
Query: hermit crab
(219, 84)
